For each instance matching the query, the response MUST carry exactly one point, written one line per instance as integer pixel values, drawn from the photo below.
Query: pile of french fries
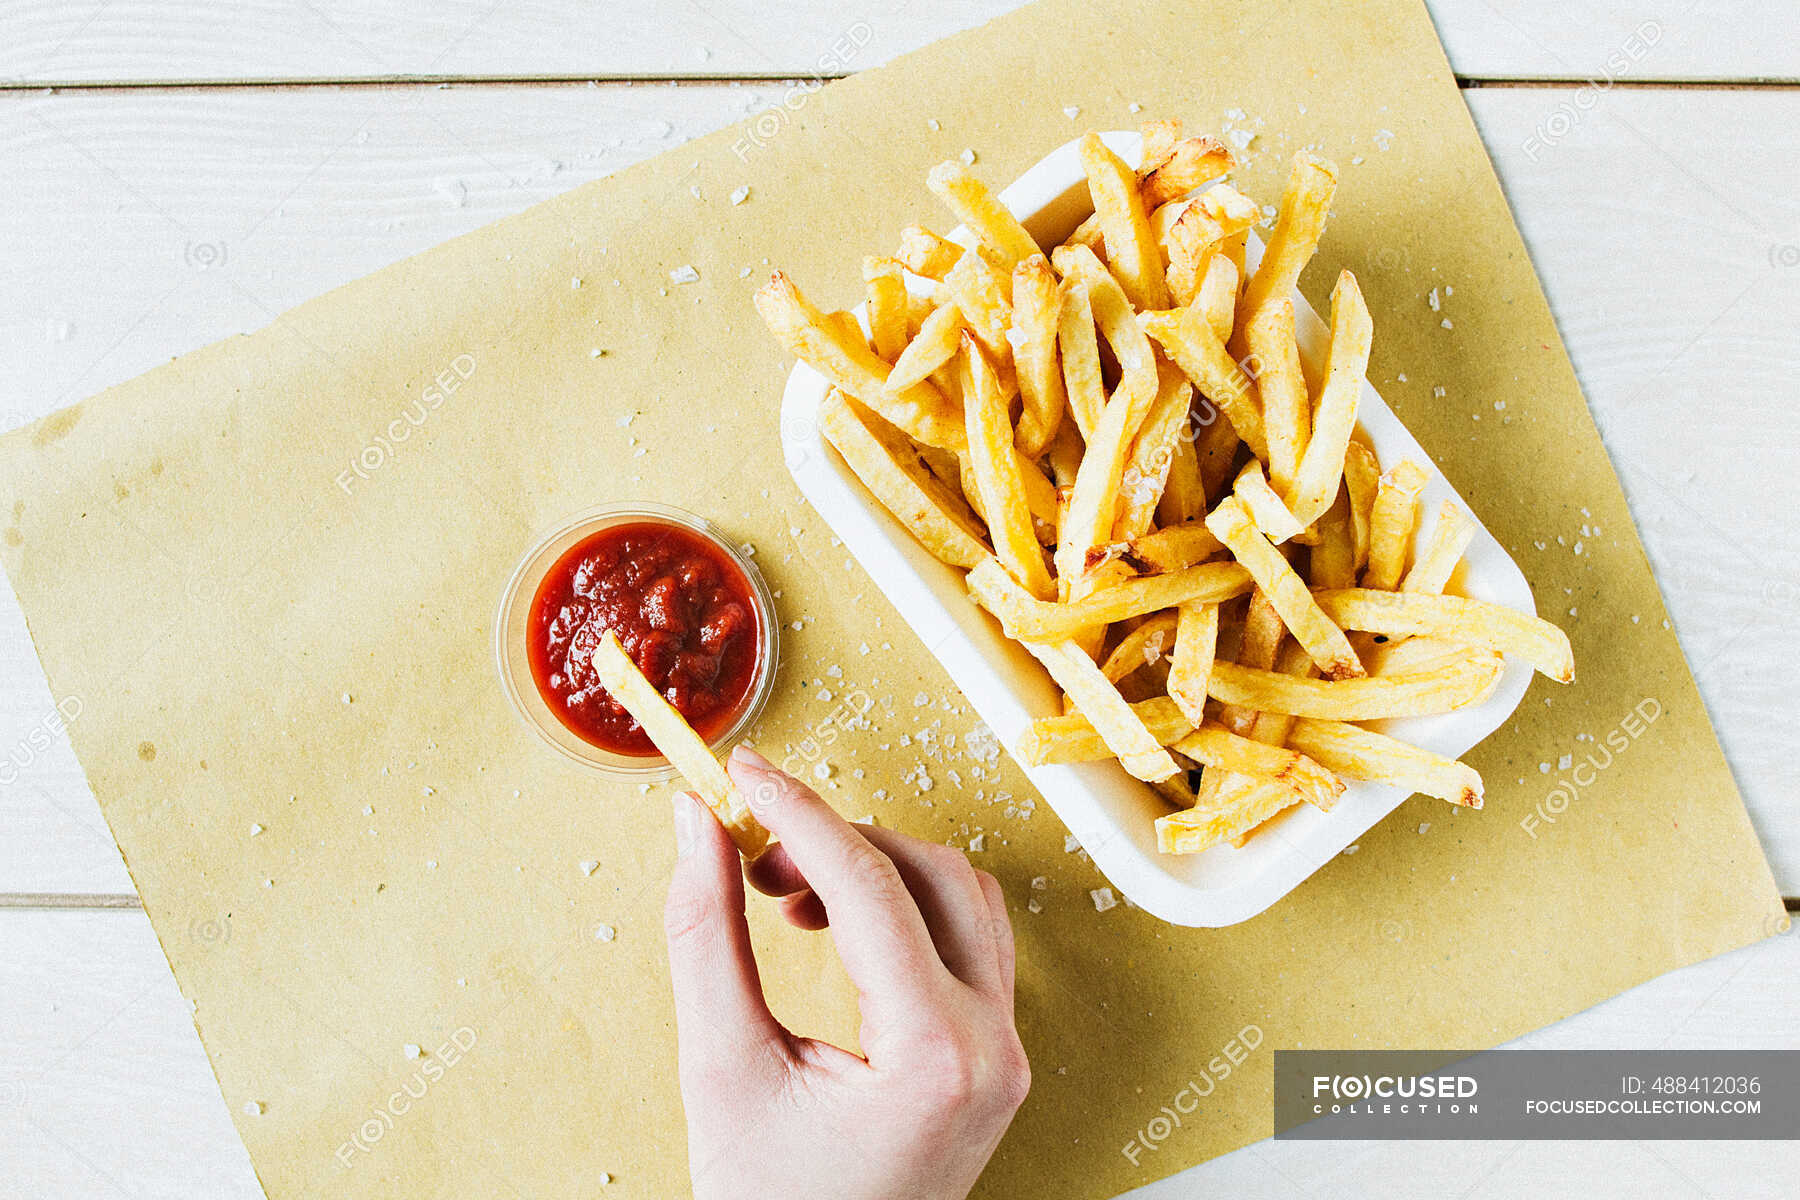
(1156, 496)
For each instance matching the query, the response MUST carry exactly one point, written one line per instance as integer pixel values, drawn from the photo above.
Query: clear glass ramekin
(512, 623)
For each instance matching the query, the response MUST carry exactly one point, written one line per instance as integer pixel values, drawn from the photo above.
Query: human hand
(925, 939)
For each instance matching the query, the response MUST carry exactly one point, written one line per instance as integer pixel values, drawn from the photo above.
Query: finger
(804, 910)
(773, 873)
(1005, 950)
(719, 1006)
(950, 898)
(875, 923)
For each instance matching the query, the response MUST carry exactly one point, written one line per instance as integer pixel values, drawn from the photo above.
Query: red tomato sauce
(681, 608)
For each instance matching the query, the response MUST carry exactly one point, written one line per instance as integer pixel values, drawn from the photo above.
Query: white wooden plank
(104, 1089)
(94, 40)
(143, 225)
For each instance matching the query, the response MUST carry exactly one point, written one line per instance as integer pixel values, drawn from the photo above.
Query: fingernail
(686, 819)
(743, 752)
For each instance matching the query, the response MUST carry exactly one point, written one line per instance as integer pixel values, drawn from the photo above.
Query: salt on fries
(1119, 441)
(678, 742)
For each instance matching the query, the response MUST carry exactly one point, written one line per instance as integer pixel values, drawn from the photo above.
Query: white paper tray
(1111, 813)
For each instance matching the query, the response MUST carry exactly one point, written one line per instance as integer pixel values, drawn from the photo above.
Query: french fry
(1186, 337)
(887, 305)
(1456, 619)
(906, 488)
(980, 292)
(1063, 455)
(1334, 558)
(1071, 738)
(1080, 351)
(1449, 539)
(1259, 642)
(1287, 409)
(1409, 656)
(998, 477)
(1184, 492)
(1130, 245)
(979, 209)
(1037, 305)
(1168, 549)
(1153, 454)
(1363, 754)
(925, 253)
(1116, 320)
(1023, 616)
(1391, 522)
(1217, 747)
(1196, 645)
(936, 344)
(670, 733)
(851, 366)
(1216, 447)
(1246, 805)
(1099, 701)
(1230, 522)
(1334, 419)
(1158, 140)
(1141, 647)
(1217, 297)
(1298, 225)
(1187, 165)
(1464, 682)
(1362, 477)
(1270, 515)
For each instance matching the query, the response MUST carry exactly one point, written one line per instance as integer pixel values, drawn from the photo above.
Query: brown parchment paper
(276, 613)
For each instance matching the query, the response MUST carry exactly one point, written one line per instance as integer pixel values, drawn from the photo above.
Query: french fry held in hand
(1131, 400)
(678, 742)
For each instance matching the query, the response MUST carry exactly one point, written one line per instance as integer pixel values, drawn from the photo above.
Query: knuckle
(1013, 1073)
(870, 872)
(687, 914)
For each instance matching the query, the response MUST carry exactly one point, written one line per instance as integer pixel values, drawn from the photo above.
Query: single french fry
(980, 292)
(1130, 245)
(925, 253)
(1037, 305)
(998, 478)
(1259, 641)
(936, 344)
(1071, 738)
(1078, 343)
(1247, 803)
(1153, 455)
(1063, 455)
(1362, 478)
(1116, 320)
(1196, 645)
(1363, 754)
(1456, 619)
(1186, 337)
(1216, 447)
(921, 410)
(1089, 234)
(1217, 747)
(1410, 656)
(1391, 522)
(1188, 164)
(887, 305)
(935, 516)
(979, 209)
(1168, 549)
(1158, 140)
(1022, 616)
(1146, 644)
(1231, 524)
(1287, 409)
(1138, 750)
(1217, 295)
(670, 733)
(1270, 515)
(1298, 225)
(1272, 727)
(1461, 683)
(1184, 493)
(1449, 539)
(1334, 417)
(1334, 557)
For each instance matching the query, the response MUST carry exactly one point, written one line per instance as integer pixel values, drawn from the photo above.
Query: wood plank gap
(56, 900)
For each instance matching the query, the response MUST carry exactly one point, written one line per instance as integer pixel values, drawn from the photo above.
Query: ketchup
(682, 609)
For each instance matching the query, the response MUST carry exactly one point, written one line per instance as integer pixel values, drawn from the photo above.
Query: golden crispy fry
(1023, 616)
(1037, 305)
(1040, 493)
(925, 253)
(936, 344)
(1265, 507)
(1216, 447)
(1184, 493)
(1196, 645)
(1193, 236)
(1159, 138)
(1272, 727)
(1246, 803)
(1137, 749)
(1298, 225)
(1363, 754)
(1455, 619)
(1231, 524)
(1190, 341)
(921, 410)
(980, 292)
(1464, 682)
(936, 516)
(1130, 245)
(1217, 297)
(1259, 642)
(1080, 349)
(1410, 656)
(1168, 549)
(1362, 476)
(979, 209)
(1187, 165)
(1153, 454)
(670, 733)
(1334, 558)
(1391, 523)
(1346, 362)
(1148, 643)
(998, 478)
(1071, 738)
(1117, 322)
(1287, 409)
(1063, 455)
(1216, 746)
(1452, 535)
(887, 305)
(1089, 234)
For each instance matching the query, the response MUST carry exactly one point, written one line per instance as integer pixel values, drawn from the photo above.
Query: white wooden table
(177, 172)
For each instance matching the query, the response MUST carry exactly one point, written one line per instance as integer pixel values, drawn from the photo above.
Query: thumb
(719, 1006)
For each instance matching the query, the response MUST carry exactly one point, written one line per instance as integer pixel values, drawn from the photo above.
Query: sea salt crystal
(968, 158)
(1071, 843)
(1032, 906)
(411, 1050)
(739, 195)
(605, 933)
(1103, 899)
(1039, 883)
(684, 274)
(255, 1108)
(588, 866)
(255, 829)
(1351, 849)
(1071, 112)
(978, 843)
